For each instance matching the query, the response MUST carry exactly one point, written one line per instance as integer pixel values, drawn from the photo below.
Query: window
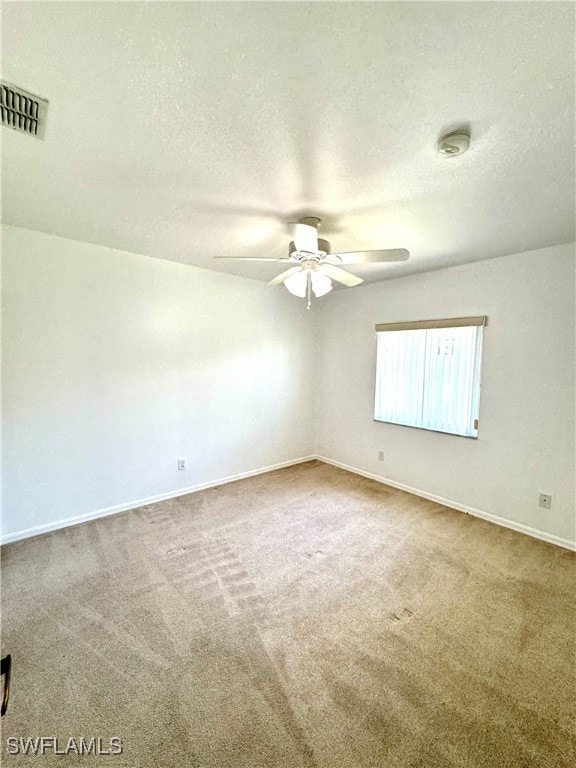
(428, 374)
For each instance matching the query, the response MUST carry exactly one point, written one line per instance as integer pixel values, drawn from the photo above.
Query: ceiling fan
(315, 265)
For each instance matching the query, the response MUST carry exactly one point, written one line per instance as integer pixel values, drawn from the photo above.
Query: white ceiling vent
(23, 111)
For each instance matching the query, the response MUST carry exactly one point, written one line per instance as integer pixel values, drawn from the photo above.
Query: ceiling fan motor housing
(323, 247)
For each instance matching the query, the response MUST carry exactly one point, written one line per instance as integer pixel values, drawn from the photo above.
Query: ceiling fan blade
(305, 237)
(340, 275)
(283, 275)
(365, 257)
(253, 258)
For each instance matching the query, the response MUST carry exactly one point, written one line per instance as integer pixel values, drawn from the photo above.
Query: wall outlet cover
(545, 500)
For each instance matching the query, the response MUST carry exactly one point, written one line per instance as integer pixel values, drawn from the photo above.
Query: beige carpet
(307, 617)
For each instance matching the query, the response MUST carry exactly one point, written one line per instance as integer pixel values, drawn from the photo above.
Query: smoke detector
(455, 143)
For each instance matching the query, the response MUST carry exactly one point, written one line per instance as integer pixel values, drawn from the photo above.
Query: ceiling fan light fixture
(321, 284)
(297, 284)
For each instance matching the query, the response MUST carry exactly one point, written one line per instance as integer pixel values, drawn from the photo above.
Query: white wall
(115, 365)
(526, 430)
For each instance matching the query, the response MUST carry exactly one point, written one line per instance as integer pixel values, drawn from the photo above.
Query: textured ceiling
(193, 130)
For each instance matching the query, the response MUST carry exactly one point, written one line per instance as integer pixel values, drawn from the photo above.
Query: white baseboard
(534, 532)
(66, 522)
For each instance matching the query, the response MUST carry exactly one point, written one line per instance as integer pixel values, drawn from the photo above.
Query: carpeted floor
(308, 617)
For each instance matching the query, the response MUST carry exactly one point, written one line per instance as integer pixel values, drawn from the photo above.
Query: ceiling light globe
(321, 284)
(296, 284)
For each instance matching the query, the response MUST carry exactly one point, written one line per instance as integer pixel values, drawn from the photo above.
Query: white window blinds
(428, 375)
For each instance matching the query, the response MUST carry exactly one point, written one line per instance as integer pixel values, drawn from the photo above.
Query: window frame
(479, 321)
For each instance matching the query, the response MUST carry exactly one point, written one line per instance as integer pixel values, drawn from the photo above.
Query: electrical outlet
(181, 464)
(380, 455)
(545, 500)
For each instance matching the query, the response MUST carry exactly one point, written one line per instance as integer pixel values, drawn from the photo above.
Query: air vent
(23, 111)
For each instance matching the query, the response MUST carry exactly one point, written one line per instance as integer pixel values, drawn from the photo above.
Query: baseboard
(57, 524)
(54, 526)
(504, 522)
